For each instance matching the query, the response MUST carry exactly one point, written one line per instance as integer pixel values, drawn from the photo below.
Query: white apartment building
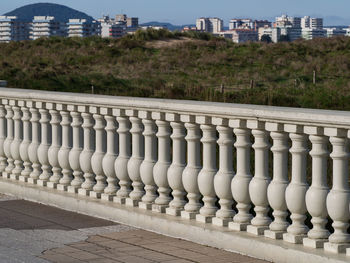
(288, 21)
(273, 32)
(83, 28)
(113, 30)
(312, 33)
(332, 32)
(13, 29)
(211, 24)
(241, 24)
(310, 22)
(244, 35)
(47, 26)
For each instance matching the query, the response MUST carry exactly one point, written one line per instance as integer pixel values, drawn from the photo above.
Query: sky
(181, 12)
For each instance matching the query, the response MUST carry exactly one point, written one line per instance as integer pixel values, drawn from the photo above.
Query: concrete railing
(162, 155)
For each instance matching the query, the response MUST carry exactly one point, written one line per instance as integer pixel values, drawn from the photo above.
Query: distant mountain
(60, 12)
(169, 26)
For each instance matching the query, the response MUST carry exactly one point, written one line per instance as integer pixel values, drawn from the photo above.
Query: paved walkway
(31, 232)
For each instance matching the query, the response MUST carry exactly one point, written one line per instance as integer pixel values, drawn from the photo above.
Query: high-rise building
(261, 23)
(312, 33)
(13, 29)
(308, 22)
(121, 18)
(132, 22)
(241, 24)
(288, 21)
(47, 26)
(83, 28)
(244, 35)
(211, 24)
(113, 30)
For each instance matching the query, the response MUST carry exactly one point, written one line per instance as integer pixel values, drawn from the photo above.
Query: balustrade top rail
(329, 118)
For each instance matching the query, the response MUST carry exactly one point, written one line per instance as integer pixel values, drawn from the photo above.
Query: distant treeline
(193, 65)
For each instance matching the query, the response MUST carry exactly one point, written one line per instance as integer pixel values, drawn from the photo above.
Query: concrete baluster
(88, 151)
(55, 146)
(16, 143)
(3, 158)
(76, 150)
(338, 198)
(177, 166)
(296, 190)
(44, 145)
(8, 141)
(206, 175)
(223, 178)
(23, 149)
(110, 156)
(136, 159)
(63, 153)
(240, 182)
(277, 188)
(100, 151)
(121, 163)
(160, 169)
(34, 145)
(261, 180)
(316, 196)
(146, 168)
(192, 169)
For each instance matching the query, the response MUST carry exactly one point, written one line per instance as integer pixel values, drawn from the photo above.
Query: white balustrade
(261, 180)
(121, 163)
(338, 198)
(296, 190)
(76, 150)
(240, 183)
(27, 137)
(63, 153)
(16, 143)
(110, 156)
(97, 157)
(277, 188)
(3, 136)
(192, 169)
(135, 159)
(44, 146)
(146, 168)
(56, 130)
(223, 178)
(34, 145)
(206, 175)
(8, 141)
(162, 155)
(86, 154)
(177, 166)
(316, 196)
(161, 167)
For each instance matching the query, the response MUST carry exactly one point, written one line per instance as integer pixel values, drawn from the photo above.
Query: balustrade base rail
(205, 234)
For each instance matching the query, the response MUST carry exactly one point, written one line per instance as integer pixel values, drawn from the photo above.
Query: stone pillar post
(192, 169)
(27, 137)
(223, 178)
(8, 141)
(138, 149)
(296, 190)
(338, 198)
(3, 129)
(88, 151)
(240, 183)
(160, 169)
(277, 188)
(146, 168)
(316, 196)
(16, 143)
(110, 156)
(177, 166)
(206, 175)
(121, 163)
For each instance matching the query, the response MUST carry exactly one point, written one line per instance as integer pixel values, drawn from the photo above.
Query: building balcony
(184, 169)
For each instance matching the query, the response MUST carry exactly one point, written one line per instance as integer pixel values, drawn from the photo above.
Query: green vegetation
(192, 65)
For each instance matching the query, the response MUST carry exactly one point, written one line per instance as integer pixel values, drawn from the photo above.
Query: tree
(266, 38)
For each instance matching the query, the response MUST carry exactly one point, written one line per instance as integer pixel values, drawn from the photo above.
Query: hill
(60, 12)
(189, 65)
